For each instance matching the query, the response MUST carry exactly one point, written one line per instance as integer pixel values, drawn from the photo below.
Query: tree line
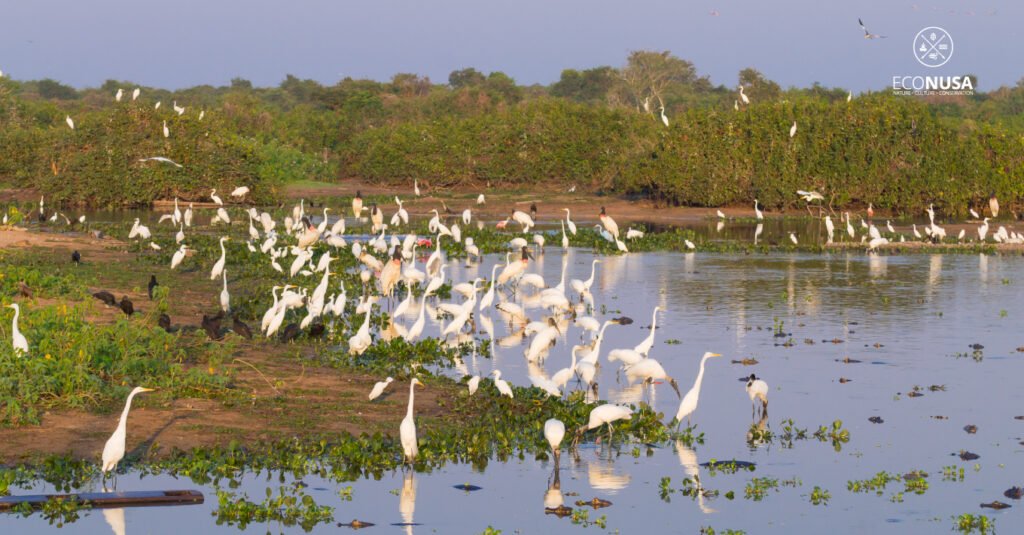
(600, 128)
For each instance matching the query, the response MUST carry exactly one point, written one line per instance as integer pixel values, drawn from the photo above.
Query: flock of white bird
(386, 261)
(512, 294)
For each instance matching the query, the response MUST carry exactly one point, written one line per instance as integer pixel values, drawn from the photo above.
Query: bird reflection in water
(115, 517)
(688, 460)
(407, 501)
(757, 433)
(602, 474)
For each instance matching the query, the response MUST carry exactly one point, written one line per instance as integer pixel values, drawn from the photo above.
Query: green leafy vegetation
(589, 128)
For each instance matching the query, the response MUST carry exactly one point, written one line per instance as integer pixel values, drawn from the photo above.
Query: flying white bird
(161, 159)
(867, 34)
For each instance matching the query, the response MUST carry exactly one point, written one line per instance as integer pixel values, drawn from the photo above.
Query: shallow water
(908, 319)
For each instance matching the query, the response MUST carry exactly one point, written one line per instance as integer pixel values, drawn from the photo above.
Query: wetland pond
(924, 344)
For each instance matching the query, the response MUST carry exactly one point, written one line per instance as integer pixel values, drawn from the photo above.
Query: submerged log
(109, 499)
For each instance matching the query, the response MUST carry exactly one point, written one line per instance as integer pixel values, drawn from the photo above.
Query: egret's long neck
(654, 321)
(14, 324)
(700, 374)
(122, 423)
(412, 393)
(223, 252)
(593, 269)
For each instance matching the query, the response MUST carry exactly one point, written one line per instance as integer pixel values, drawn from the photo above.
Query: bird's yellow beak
(148, 389)
(715, 355)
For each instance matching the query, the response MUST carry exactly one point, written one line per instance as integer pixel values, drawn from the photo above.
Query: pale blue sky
(795, 42)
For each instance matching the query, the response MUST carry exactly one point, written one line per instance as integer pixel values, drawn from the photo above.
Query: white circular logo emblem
(933, 46)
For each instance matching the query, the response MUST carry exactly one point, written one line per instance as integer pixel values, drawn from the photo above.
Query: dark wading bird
(211, 324)
(241, 329)
(126, 306)
(76, 257)
(152, 284)
(291, 332)
(164, 321)
(24, 290)
(107, 298)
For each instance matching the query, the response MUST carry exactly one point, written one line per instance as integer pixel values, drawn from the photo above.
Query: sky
(794, 42)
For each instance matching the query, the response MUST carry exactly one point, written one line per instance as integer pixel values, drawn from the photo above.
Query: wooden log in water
(142, 498)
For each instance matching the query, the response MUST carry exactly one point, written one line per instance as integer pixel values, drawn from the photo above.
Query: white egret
(689, 403)
(357, 204)
(407, 430)
(480, 199)
(416, 187)
(216, 199)
(664, 118)
(565, 239)
(757, 211)
(379, 387)
(118, 95)
(18, 340)
(360, 342)
(993, 205)
(417, 328)
(792, 130)
(501, 384)
(569, 223)
(633, 234)
(70, 121)
(166, 131)
(240, 191)
(474, 383)
(178, 256)
(645, 346)
(743, 96)
(582, 287)
(219, 266)
(136, 93)
(114, 449)
(488, 297)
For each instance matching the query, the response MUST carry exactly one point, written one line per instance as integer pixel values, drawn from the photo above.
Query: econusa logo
(933, 47)
(932, 83)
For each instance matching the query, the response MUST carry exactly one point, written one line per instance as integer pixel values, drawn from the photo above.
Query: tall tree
(648, 75)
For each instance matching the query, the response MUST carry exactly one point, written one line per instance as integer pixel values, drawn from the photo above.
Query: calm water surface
(908, 319)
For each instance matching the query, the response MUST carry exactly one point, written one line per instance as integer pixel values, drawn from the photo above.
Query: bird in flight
(160, 159)
(867, 34)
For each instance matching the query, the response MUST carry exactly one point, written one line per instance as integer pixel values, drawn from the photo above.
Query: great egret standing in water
(113, 451)
(407, 430)
(689, 403)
